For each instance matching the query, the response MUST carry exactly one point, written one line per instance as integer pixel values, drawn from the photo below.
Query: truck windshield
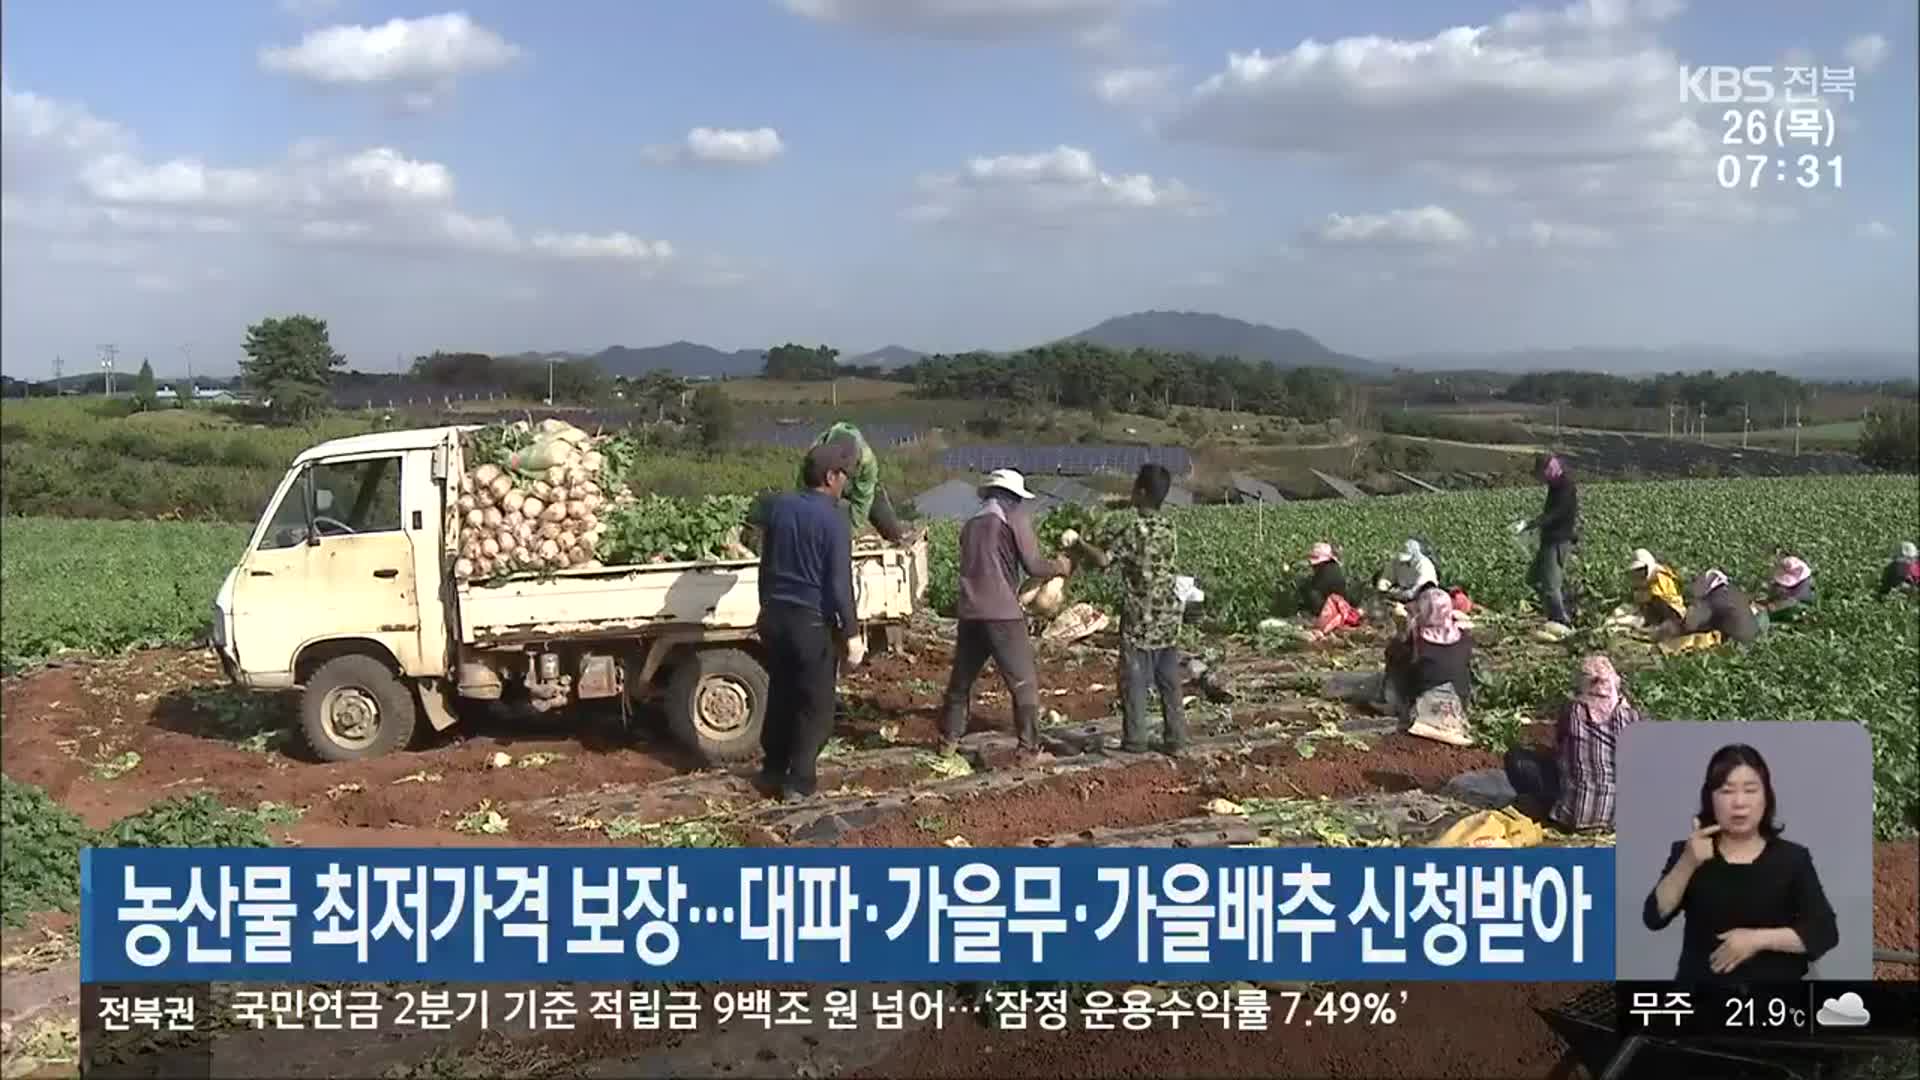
(342, 498)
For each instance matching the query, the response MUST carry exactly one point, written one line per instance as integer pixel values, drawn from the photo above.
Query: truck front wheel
(717, 703)
(354, 708)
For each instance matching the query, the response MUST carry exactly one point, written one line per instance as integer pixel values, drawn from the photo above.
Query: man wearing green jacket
(866, 501)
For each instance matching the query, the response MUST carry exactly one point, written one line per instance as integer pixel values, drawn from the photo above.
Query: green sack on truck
(541, 456)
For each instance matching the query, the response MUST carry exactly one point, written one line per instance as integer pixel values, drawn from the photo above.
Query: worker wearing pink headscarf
(1789, 590)
(1429, 676)
(1325, 579)
(1574, 785)
(1558, 527)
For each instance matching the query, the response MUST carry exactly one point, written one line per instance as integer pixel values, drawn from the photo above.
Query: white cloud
(979, 19)
(1133, 85)
(422, 56)
(1426, 228)
(719, 146)
(1565, 114)
(617, 245)
(1867, 52)
(94, 182)
(1874, 230)
(1059, 187)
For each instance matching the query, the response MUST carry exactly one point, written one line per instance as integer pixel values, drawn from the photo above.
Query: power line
(107, 355)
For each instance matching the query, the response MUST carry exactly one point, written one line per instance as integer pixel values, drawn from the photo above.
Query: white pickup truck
(346, 592)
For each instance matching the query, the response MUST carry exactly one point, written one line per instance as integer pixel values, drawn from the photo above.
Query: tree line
(1076, 374)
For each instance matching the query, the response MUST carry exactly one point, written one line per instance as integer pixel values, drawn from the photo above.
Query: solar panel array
(1067, 460)
(801, 436)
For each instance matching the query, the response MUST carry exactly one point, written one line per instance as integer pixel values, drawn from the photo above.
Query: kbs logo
(1726, 85)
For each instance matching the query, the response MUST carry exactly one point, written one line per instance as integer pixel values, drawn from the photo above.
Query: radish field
(97, 586)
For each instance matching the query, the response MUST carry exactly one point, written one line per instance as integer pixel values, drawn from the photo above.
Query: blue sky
(1389, 177)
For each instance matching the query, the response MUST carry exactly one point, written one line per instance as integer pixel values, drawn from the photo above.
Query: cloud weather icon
(1847, 1010)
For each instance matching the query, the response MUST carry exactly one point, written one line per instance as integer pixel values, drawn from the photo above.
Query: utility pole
(107, 353)
(1796, 429)
(1669, 419)
(186, 351)
(549, 381)
(1746, 423)
(1703, 421)
(59, 369)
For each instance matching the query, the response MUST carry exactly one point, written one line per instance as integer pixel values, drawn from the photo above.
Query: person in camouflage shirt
(1143, 547)
(866, 499)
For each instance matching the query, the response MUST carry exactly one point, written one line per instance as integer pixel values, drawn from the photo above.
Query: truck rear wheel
(354, 708)
(717, 703)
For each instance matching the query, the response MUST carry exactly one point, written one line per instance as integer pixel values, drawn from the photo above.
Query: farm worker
(1324, 579)
(1143, 546)
(1902, 571)
(1429, 676)
(1323, 595)
(867, 502)
(1790, 590)
(1719, 612)
(1408, 573)
(1558, 527)
(1574, 786)
(807, 614)
(998, 549)
(1658, 605)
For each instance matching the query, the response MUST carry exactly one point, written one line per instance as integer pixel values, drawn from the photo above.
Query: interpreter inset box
(1745, 852)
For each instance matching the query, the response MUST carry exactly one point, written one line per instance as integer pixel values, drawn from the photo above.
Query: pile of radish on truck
(396, 574)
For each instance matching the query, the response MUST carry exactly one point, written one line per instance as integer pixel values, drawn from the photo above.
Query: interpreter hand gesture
(1700, 843)
(1736, 948)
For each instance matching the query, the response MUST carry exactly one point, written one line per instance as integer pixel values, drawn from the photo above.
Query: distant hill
(1218, 335)
(1831, 364)
(681, 358)
(886, 356)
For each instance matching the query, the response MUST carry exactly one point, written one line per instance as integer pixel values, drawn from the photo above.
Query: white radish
(512, 499)
(566, 540)
(557, 475)
(525, 532)
(551, 424)
(483, 567)
(476, 518)
(493, 517)
(576, 509)
(489, 548)
(559, 495)
(523, 556)
(579, 555)
(532, 507)
(548, 549)
(465, 503)
(463, 567)
(505, 540)
(593, 461)
(500, 486)
(550, 530)
(483, 498)
(542, 489)
(485, 474)
(556, 512)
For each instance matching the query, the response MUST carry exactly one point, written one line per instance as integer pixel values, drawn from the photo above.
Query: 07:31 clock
(1807, 170)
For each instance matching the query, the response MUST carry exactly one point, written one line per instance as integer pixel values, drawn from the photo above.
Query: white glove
(1382, 585)
(855, 650)
(1519, 527)
(1069, 538)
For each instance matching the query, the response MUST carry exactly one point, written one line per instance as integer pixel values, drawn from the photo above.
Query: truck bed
(629, 601)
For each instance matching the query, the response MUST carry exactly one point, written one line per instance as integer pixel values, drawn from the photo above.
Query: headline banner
(871, 915)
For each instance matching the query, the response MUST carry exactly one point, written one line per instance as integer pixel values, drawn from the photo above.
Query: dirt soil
(107, 738)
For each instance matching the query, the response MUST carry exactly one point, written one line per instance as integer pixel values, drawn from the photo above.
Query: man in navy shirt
(807, 615)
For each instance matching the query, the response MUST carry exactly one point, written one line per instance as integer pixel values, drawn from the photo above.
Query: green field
(101, 586)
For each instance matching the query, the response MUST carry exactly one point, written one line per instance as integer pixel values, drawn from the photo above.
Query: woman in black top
(1755, 909)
